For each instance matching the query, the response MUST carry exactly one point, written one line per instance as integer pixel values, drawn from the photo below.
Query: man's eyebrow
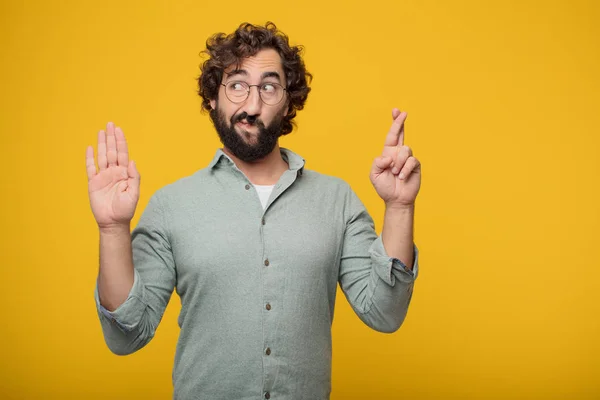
(271, 74)
(265, 75)
(236, 71)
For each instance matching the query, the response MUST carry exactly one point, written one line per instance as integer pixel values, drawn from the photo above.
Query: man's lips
(244, 124)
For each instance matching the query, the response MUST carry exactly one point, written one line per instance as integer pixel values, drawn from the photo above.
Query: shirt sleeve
(133, 324)
(378, 287)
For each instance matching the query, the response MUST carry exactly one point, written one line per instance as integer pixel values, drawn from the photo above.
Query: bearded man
(255, 244)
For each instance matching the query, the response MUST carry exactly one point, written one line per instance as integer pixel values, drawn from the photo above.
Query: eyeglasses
(270, 93)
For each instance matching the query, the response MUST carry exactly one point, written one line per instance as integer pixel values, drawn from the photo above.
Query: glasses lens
(237, 91)
(271, 93)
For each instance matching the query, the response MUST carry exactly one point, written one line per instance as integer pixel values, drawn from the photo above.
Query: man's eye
(268, 87)
(236, 86)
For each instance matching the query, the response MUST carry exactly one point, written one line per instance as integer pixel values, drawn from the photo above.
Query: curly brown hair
(225, 50)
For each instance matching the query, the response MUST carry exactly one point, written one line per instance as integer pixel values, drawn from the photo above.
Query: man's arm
(130, 301)
(377, 273)
(396, 176)
(397, 234)
(115, 276)
(113, 189)
(133, 323)
(378, 287)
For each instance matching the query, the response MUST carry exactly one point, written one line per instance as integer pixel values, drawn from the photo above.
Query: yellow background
(503, 101)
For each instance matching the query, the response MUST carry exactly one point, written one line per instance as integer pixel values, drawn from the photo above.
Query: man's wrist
(400, 208)
(115, 229)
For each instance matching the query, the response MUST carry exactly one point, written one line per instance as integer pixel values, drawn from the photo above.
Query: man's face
(250, 129)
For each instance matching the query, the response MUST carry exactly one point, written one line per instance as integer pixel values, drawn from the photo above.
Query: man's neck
(265, 171)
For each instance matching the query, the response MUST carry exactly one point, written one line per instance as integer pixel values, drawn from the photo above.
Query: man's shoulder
(322, 178)
(325, 182)
(185, 185)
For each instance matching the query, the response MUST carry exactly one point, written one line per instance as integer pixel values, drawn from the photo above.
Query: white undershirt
(264, 192)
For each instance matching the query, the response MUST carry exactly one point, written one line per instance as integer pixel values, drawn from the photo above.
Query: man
(254, 244)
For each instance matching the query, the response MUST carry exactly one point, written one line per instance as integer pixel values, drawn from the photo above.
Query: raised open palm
(114, 188)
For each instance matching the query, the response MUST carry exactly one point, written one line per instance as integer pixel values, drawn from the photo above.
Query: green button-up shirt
(257, 286)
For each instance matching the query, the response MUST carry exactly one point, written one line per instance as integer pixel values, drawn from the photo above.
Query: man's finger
(396, 131)
(90, 166)
(134, 180)
(401, 135)
(111, 145)
(132, 171)
(122, 151)
(381, 164)
(403, 154)
(412, 165)
(102, 164)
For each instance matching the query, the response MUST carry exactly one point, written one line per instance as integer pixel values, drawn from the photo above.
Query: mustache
(250, 119)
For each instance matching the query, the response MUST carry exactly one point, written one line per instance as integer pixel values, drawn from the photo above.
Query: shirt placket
(273, 289)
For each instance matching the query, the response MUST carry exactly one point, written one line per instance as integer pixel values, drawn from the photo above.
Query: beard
(237, 143)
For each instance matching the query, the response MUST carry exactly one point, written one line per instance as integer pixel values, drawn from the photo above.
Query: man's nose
(253, 103)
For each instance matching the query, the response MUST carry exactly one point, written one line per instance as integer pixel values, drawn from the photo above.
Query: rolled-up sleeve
(379, 288)
(133, 324)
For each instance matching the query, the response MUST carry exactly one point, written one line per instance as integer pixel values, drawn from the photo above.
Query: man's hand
(114, 190)
(396, 174)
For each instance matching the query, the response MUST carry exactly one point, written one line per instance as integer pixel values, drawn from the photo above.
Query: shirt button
(268, 307)
(267, 395)
(247, 187)
(263, 220)
(267, 262)
(268, 351)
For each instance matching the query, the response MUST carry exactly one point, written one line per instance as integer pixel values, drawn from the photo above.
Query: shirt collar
(295, 162)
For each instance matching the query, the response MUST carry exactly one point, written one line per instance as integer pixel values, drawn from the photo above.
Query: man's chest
(217, 243)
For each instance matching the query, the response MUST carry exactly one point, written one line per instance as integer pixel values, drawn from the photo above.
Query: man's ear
(213, 104)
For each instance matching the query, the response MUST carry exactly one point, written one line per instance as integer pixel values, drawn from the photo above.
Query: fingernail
(401, 176)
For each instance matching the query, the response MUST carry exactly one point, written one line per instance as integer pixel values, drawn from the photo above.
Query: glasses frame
(259, 93)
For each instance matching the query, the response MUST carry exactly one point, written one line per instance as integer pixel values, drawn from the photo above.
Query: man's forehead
(264, 60)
